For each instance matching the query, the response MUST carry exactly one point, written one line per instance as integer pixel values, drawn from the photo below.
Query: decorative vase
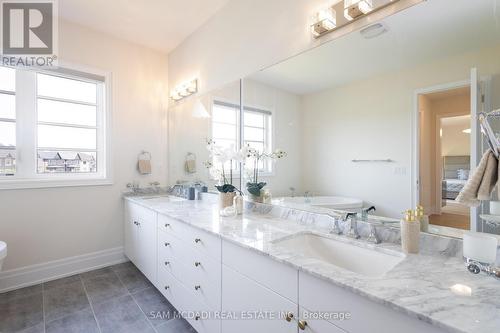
(226, 199)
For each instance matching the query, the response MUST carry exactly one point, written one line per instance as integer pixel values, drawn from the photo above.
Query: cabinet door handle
(167, 263)
(302, 324)
(167, 287)
(289, 317)
(136, 223)
(197, 240)
(197, 318)
(196, 264)
(167, 225)
(167, 244)
(197, 287)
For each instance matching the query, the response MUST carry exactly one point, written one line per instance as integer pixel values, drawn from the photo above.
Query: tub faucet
(336, 225)
(352, 232)
(365, 212)
(307, 197)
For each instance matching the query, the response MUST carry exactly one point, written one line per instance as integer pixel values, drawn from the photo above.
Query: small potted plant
(252, 157)
(224, 177)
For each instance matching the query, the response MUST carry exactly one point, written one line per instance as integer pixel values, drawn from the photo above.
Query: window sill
(19, 184)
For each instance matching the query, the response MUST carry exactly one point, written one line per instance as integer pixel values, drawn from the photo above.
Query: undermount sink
(357, 259)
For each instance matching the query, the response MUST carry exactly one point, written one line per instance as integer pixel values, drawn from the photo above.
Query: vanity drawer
(194, 311)
(202, 267)
(278, 277)
(202, 241)
(319, 295)
(203, 290)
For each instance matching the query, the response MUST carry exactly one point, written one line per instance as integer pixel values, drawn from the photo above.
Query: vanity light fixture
(324, 21)
(184, 90)
(356, 8)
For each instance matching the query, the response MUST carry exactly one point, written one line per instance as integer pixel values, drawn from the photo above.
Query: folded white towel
(481, 183)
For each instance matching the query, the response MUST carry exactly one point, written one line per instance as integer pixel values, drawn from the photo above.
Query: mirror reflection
(386, 121)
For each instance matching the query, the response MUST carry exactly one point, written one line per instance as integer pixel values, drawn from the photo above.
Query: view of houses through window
(62, 129)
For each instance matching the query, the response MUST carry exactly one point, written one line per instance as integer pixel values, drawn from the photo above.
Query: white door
(475, 135)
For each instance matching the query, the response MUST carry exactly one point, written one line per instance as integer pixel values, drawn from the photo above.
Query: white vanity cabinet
(261, 292)
(222, 287)
(319, 296)
(189, 269)
(140, 238)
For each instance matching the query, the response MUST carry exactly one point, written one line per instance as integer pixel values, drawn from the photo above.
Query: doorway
(445, 154)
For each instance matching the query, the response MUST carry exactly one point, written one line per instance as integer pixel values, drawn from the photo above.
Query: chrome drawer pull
(167, 244)
(302, 324)
(197, 240)
(167, 263)
(167, 225)
(196, 264)
(167, 287)
(197, 287)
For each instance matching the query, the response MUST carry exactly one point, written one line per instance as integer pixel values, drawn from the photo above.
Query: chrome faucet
(336, 225)
(373, 237)
(352, 232)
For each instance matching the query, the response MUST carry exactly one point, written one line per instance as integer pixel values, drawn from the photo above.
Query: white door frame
(415, 174)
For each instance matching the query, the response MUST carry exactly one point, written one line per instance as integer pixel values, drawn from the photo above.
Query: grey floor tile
(157, 309)
(40, 328)
(126, 265)
(96, 273)
(105, 287)
(61, 282)
(133, 279)
(175, 326)
(14, 294)
(121, 315)
(79, 322)
(64, 300)
(21, 313)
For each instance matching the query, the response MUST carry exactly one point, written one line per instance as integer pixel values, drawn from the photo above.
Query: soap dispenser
(422, 219)
(410, 233)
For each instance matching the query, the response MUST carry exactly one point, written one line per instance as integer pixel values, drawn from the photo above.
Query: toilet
(3, 253)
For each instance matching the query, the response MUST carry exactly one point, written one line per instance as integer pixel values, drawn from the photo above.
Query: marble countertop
(433, 287)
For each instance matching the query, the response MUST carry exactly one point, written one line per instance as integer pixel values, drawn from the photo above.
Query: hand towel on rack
(481, 183)
(144, 163)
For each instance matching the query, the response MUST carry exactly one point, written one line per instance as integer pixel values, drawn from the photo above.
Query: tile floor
(112, 299)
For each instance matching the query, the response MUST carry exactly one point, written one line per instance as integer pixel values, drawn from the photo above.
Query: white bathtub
(330, 202)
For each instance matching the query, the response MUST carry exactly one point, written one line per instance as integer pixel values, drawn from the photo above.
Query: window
(7, 121)
(59, 120)
(257, 128)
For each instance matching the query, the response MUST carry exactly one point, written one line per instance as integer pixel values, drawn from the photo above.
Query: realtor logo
(29, 28)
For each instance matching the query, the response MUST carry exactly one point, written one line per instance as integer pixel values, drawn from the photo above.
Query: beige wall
(41, 225)
(340, 126)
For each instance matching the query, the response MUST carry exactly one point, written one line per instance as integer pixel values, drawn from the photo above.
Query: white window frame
(268, 129)
(26, 175)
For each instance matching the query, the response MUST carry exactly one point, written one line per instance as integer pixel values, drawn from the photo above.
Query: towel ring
(144, 155)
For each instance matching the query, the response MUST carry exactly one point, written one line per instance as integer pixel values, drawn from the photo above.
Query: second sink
(349, 256)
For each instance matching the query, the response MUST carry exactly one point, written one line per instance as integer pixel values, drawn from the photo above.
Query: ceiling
(432, 30)
(158, 24)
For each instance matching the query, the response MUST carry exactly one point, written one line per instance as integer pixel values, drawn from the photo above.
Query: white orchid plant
(221, 156)
(253, 156)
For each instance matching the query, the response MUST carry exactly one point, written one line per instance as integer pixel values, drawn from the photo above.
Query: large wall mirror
(383, 117)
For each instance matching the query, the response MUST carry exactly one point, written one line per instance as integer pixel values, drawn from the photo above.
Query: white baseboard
(52, 270)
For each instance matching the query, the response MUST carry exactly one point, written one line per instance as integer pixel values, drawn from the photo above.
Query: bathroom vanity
(258, 273)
